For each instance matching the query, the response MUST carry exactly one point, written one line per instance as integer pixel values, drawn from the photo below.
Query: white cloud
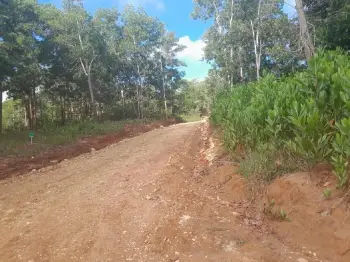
(192, 55)
(194, 49)
(289, 8)
(157, 4)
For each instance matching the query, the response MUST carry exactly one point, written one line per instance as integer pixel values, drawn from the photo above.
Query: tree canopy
(248, 37)
(68, 64)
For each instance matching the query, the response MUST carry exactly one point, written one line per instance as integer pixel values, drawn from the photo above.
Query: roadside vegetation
(305, 116)
(17, 143)
(282, 84)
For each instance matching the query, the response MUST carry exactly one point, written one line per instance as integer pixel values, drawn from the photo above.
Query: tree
(142, 33)
(305, 37)
(66, 64)
(192, 96)
(243, 35)
(330, 21)
(169, 63)
(22, 37)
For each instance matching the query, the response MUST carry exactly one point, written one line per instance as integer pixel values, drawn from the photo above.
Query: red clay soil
(168, 195)
(317, 228)
(321, 225)
(13, 166)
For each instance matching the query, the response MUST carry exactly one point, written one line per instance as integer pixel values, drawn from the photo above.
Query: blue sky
(176, 16)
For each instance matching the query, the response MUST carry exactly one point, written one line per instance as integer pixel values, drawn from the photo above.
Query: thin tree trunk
(165, 104)
(309, 48)
(26, 110)
(138, 88)
(163, 85)
(63, 113)
(123, 102)
(257, 42)
(138, 101)
(217, 18)
(93, 106)
(257, 55)
(32, 110)
(87, 71)
(139, 96)
(30, 115)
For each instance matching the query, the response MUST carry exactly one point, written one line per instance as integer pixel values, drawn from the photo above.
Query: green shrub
(307, 114)
(327, 193)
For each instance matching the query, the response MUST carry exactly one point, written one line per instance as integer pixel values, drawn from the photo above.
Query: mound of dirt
(319, 226)
(315, 227)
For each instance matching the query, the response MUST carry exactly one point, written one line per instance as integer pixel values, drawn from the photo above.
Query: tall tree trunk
(141, 105)
(163, 86)
(29, 114)
(138, 101)
(305, 38)
(63, 113)
(33, 100)
(93, 103)
(123, 102)
(240, 63)
(87, 71)
(257, 42)
(139, 91)
(31, 111)
(257, 49)
(165, 104)
(26, 110)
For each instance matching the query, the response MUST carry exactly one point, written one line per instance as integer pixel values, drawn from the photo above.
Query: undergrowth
(291, 122)
(18, 143)
(266, 162)
(192, 117)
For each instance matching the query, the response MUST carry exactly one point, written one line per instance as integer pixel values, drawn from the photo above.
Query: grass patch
(191, 117)
(267, 163)
(17, 143)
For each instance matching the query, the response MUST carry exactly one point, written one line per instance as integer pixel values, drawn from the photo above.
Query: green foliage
(234, 48)
(306, 114)
(266, 163)
(17, 142)
(268, 208)
(327, 193)
(191, 97)
(283, 215)
(340, 169)
(67, 65)
(331, 20)
(191, 117)
(13, 114)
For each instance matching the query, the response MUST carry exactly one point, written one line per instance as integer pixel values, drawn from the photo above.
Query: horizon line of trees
(250, 37)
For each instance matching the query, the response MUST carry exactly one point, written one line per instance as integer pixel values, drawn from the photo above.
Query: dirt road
(138, 200)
